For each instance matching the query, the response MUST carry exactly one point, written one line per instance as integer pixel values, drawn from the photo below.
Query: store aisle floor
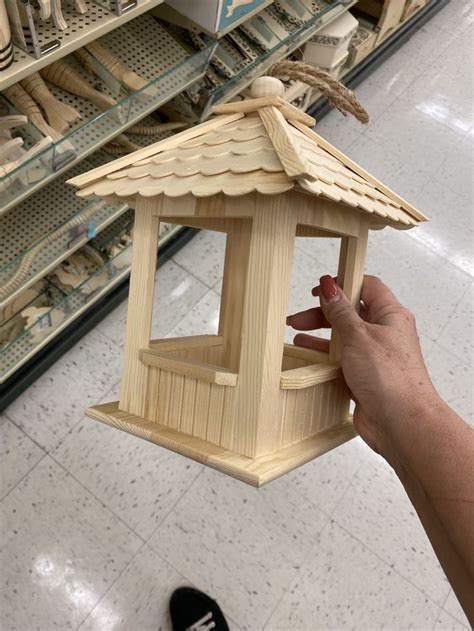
(99, 527)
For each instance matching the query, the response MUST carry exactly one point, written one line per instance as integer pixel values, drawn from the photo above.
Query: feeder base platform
(253, 471)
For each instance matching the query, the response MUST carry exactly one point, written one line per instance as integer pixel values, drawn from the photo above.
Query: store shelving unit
(76, 312)
(161, 61)
(81, 30)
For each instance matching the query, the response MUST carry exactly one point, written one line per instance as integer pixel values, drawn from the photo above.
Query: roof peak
(266, 92)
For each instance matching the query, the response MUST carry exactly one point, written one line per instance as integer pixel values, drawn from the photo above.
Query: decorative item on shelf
(128, 77)
(18, 96)
(8, 170)
(6, 44)
(59, 115)
(242, 44)
(121, 145)
(61, 74)
(361, 44)
(12, 322)
(44, 9)
(82, 271)
(26, 261)
(328, 48)
(120, 252)
(42, 321)
(22, 20)
(294, 11)
(411, 6)
(57, 15)
(387, 14)
(213, 16)
(81, 7)
(258, 31)
(274, 21)
(242, 401)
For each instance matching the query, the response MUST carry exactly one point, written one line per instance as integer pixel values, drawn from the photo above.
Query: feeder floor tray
(253, 471)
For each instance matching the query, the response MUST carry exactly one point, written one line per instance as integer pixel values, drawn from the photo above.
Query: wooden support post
(263, 327)
(350, 275)
(140, 305)
(233, 290)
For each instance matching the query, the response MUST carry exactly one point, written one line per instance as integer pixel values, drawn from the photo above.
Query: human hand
(381, 357)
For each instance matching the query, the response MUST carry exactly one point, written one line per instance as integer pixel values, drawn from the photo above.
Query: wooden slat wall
(187, 404)
(311, 410)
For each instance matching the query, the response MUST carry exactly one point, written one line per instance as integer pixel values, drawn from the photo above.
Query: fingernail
(329, 289)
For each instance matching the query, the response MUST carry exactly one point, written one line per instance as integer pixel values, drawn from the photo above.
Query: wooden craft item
(16, 22)
(44, 9)
(25, 104)
(117, 69)
(6, 169)
(6, 46)
(62, 75)
(13, 322)
(242, 401)
(81, 6)
(41, 321)
(7, 147)
(11, 121)
(57, 14)
(59, 115)
(85, 60)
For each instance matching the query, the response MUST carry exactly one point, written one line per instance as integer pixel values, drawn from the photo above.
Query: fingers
(309, 341)
(308, 320)
(338, 310)
(380, 303)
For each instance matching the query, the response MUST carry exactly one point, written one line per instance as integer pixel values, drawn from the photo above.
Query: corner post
(140, 306)
(350, 276)
(263, 327)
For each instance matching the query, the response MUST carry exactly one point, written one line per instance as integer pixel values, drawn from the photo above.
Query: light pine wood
(360, 171)
(253, 471)
(59, 73)
(57, 15)
(308, 355)
(263, 326)
(284, 144)
(233, 290)
(25, 104)
(140, 302)
(59, 115)
(350, 276)
(6, 49)
(171, 344)
(411, 6)
(163, 145)
(290, 112)
(308, 376)
(189, 368)
(117, 69)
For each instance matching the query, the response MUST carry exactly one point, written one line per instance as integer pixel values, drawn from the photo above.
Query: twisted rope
(336, 92)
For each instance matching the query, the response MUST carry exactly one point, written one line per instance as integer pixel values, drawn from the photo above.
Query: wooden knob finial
(267, 86)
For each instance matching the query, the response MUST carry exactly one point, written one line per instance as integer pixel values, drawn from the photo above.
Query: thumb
(338, 310)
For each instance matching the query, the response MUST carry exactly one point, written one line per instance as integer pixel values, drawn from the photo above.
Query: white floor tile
(450, 229)
(378, 512)
(453, 607)
(241, 544)
(204, 256)
(446, 622)
(139, 598)
(176, 292)
(60, 551)
(138, 481)
(423, 281)
(458, 335)
(455, 18)
(344, 585)
(453, 380)
(456, 172)
(57, 400)
(202, 319)
(18, 454)
(324, 481)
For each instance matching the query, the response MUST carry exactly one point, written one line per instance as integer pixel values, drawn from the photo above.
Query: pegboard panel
(81, 29)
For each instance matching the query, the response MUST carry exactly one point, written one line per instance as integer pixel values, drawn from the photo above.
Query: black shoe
(192, 610)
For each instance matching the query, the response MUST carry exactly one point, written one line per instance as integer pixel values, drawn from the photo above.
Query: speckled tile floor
(98, 527)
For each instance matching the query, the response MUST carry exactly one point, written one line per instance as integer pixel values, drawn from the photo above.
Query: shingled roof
(263, 145)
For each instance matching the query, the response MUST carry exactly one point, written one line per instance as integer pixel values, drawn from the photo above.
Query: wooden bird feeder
(242, 401)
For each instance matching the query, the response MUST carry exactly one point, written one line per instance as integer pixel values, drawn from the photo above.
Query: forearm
(449, 556)
(432, 452)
